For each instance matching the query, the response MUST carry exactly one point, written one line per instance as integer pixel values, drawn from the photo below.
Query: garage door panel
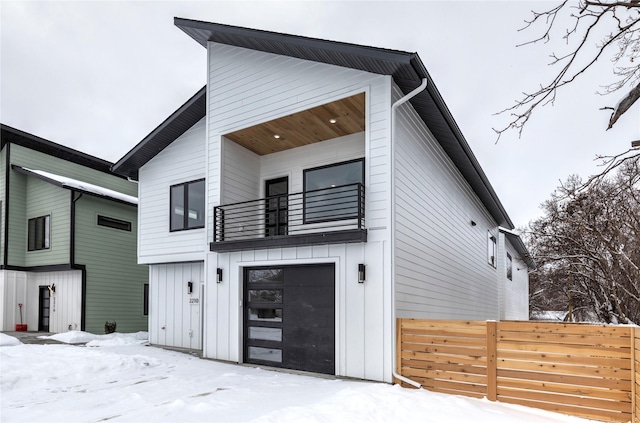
(290, 317)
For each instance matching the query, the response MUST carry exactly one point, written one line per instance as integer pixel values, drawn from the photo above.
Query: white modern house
(308, 195)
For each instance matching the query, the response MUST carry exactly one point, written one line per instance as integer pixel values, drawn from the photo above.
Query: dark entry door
(43, 309)
(290, 317)
(276, 191)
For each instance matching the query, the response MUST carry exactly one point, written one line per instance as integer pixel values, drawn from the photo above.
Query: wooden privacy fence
(585, 370)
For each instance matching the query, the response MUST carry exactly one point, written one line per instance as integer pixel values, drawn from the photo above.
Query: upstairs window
(331, 192)
(509, 267)
(187, 206)
(38, 233)
(491, 250)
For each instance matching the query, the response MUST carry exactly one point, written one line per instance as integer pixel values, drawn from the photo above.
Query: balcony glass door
(276, 191)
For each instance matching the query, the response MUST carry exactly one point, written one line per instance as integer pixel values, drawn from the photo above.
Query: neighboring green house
(68, 240)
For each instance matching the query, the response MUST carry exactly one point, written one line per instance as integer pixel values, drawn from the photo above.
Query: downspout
(75, 196)
(392, 154)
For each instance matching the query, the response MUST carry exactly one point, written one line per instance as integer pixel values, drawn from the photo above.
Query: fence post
(398, 368)
(492, 360)
(635, 371)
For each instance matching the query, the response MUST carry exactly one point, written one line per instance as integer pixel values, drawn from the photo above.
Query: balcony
(324, 216)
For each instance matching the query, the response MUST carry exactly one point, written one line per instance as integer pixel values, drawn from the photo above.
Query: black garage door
(290, 317)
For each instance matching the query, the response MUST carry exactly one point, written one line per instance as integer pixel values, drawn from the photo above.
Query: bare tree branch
(592, 17)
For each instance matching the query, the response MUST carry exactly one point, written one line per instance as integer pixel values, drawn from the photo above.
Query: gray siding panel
(182, 161)
(441, 264)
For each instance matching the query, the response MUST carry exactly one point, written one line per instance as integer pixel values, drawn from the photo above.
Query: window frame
(145, 300)
(492, 248)
(509, 267)
(112, 222)
(305, 219)
(46, 236)
(185, 199)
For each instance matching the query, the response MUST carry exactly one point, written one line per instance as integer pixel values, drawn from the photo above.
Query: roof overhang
(521, 249)
(32, 142)
(168, 131)
(406, 69)
(79, 186)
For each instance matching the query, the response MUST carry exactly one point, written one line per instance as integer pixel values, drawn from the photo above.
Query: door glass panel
(266, 334)
(265, 295)
(266, 354)
(265, 275)
(265, 314)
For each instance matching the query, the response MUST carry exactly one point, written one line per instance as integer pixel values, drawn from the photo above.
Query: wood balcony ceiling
(303, 128)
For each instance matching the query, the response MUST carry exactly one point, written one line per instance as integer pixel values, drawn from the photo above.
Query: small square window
(509, 267)
(38, 233)
(187, 197)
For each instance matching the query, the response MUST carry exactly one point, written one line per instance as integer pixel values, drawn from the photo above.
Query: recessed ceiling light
(276, 136)
(333, 120)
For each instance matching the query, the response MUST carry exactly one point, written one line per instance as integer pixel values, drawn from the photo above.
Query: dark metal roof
(24, 139)
(168, 131)
(406, 69)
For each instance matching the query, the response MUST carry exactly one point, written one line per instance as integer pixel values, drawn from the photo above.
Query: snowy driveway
(116, 378)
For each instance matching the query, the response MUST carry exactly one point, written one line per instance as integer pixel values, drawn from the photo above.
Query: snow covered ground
(118, 378)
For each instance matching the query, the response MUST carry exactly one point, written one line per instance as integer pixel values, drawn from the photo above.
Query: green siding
(115, 282)
(35, 160)
(46, 199)
(17, 245)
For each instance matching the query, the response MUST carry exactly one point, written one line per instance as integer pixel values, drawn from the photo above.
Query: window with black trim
(114, 223)
(187, 206)
(145, 305)
(509, 267)
(491, 250)
(332, 191)
(39, 230)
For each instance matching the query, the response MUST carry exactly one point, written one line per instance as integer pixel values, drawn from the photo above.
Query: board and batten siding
(182, 161)
(65, 305)
(115, 281)
(19, 287)
(441, 266)
(363, 329)
(246, 88)
(175, 316)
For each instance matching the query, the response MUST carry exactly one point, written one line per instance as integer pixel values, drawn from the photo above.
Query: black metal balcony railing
(319, 211)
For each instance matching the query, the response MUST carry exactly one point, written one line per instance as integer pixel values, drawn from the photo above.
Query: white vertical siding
(363, 329)
(174, 314)
(65, 304)
(23, 287)
(14, 291)
(182, 161)
(441, 267)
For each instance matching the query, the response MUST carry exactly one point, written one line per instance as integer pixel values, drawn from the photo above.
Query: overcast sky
(99, 76)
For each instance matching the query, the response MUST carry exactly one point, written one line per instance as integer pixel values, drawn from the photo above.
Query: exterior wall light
(219, 272)
(361, 273)
(473, 223)
(189, 288)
